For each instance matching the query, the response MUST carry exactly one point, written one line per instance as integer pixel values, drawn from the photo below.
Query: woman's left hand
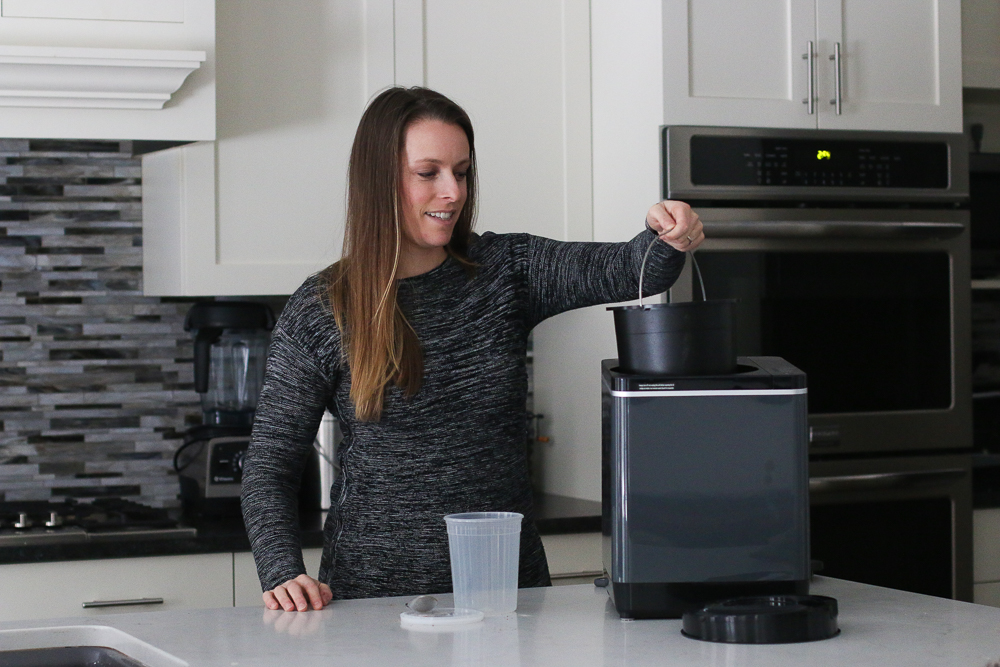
(676, 224)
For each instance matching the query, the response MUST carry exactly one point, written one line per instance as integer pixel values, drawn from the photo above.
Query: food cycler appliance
(705, 486)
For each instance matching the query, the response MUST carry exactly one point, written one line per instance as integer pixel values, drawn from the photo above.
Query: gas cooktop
(28, 523)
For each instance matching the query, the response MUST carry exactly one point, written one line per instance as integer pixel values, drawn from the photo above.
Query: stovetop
(27, 523)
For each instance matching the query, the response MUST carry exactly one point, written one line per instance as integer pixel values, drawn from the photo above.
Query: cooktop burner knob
(22, 521)
(54, 520)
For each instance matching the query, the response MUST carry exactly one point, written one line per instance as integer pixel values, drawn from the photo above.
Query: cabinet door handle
(810, 101)
(837, 83)
(93, 604)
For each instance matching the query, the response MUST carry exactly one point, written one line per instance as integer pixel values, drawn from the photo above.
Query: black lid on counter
(770, 619)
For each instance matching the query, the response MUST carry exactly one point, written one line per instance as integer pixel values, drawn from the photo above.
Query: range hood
(99, 78)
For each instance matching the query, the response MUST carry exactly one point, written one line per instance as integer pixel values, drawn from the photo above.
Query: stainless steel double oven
(848, 254)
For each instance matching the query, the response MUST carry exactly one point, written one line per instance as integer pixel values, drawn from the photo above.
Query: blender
(230, 349)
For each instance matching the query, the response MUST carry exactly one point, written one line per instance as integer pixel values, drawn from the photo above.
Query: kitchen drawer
(52, 590)
(246, 585)
(986, 545)
(574, 558)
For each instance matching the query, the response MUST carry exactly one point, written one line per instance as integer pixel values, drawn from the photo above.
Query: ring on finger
(690, 240)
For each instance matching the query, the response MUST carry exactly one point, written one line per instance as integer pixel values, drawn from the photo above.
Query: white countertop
(567, 625)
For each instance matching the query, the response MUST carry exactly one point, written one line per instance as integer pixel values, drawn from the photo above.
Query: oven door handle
(883, 480)
(830, 228)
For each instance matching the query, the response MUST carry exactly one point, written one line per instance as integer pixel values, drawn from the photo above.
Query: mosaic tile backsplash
(96, 380)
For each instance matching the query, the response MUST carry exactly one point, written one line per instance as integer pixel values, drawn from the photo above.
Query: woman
(416, 342)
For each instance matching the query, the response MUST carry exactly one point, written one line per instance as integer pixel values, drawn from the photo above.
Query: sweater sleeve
(296, 391)
(566, 275)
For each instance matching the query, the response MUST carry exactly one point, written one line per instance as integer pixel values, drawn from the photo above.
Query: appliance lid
(771, 375)
(777, 167)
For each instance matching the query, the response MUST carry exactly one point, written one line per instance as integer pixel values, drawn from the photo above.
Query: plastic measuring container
(485, 552)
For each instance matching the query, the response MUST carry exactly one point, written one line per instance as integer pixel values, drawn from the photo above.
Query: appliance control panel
(225, 465)
(820, 162)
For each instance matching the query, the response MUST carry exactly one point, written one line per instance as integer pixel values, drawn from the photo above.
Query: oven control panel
(821, 162)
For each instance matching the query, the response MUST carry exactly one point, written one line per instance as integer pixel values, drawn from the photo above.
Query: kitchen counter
(556, 514)
(568, 625)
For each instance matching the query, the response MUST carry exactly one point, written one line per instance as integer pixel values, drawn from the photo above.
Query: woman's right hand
(298, 594)
(676, 224)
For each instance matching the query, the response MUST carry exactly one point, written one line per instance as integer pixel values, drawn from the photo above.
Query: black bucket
(687, 338)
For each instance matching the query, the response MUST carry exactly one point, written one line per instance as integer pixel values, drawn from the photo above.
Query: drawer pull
(93, 604)
(576, 575)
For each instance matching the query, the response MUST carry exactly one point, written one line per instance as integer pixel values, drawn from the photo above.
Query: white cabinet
(733, 63)
(901, 64)
(51, 590)
(127, 585)
(521, 69)
(574, 558)
(246, 585)
(263, 207)
(758, 64)
(108, 69)
(981, 43)
(986, 556)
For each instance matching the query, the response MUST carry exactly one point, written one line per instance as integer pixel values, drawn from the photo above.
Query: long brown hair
(380, 345)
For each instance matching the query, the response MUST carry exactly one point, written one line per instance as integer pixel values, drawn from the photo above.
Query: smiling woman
(407, 150)
(435, 172)
(416, 341)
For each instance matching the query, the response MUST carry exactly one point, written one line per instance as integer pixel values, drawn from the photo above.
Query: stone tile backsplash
(96, 383)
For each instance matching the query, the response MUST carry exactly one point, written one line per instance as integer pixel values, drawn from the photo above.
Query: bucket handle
(694, 262)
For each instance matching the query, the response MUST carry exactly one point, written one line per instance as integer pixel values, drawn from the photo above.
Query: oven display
(743, 161)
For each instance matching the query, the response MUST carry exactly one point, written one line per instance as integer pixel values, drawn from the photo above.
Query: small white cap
(443, 616)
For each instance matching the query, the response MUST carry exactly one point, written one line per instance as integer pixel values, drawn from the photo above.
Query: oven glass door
(872, 330)
(904, 543)
(901, 522)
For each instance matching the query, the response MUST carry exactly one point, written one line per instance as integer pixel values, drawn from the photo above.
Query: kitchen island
(569, 625)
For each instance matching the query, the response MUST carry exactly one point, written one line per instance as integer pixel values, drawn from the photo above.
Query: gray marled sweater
(458, 445)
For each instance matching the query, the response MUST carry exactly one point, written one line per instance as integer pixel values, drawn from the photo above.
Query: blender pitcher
(230, 349)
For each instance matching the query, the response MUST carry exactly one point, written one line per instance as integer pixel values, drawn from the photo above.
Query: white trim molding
(73, 77)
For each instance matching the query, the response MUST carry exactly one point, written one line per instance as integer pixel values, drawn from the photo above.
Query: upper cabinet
(261, 208)
(741, 64)
(838, 64)
(521, 69)
(108, 69)
(981, 43)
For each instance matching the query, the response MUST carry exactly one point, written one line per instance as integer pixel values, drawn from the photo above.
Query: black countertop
(554, 515)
